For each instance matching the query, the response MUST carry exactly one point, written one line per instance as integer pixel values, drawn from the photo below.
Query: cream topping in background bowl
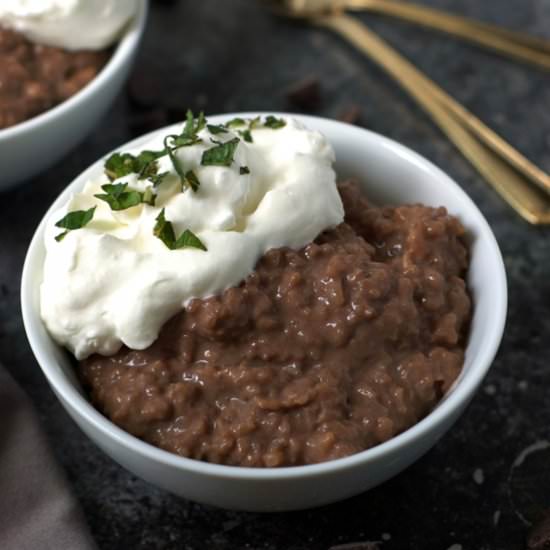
(68, 24)
(114, 282)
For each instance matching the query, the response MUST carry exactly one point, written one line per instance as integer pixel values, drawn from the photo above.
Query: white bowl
(35, 144)
(389, 173)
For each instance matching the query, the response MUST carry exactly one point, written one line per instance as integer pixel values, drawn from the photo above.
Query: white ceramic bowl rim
(124, 48)
(460, 393)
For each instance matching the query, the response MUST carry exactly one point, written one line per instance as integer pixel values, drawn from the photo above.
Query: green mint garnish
(158, 178)
(148, 197)
(193, 125)
(186, 178)
(188, 239)
(119, 165)
(190, 130)
(178, 167)
(192, 180)
(119, 198)
(220, 155)
(273, 122)
(244, 170)
(146, 164)
(235, 122)
(165, 232)
(74, 220)
(216, 129)
(246, 135)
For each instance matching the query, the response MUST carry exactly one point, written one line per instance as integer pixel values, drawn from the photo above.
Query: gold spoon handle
(514, 185)
(518, 45)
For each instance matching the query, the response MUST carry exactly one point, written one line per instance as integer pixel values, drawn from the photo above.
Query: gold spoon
(521, 46)
(507, 170)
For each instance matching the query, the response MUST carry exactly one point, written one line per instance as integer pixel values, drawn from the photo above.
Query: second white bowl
(35, 144)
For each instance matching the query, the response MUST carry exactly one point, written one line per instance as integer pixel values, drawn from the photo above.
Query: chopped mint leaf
(191, 129)
(61, 236)
(114, 188)
(149, 170)
(273, 122)
(201, 122)
(190, 240)
(186, 178)
(246, 135)
(244, 170)
(148, 197)
(146, 163)
(220, 155)
(74, 220)
(146, 156)
(118, 198)
(254, 123)
(178, 167)
(119, 165)
(165, 232)
(192, 180)
(184, 141)
(216, 129)
(156, 179)
(236, 122)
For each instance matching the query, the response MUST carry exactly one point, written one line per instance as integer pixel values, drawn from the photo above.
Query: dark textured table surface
(473, 490)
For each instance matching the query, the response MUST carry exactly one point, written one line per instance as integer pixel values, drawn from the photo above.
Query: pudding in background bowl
(62, 65)
(393, 175)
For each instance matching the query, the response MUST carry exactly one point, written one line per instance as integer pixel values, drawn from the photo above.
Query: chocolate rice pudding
(35, 78)
(320, 353)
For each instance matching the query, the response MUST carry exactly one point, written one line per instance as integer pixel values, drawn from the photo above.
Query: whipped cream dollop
(68, 24)
(114, 282)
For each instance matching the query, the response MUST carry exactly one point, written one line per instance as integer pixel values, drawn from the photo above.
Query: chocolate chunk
(305, 94)
(350, 114)
(539, 536)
